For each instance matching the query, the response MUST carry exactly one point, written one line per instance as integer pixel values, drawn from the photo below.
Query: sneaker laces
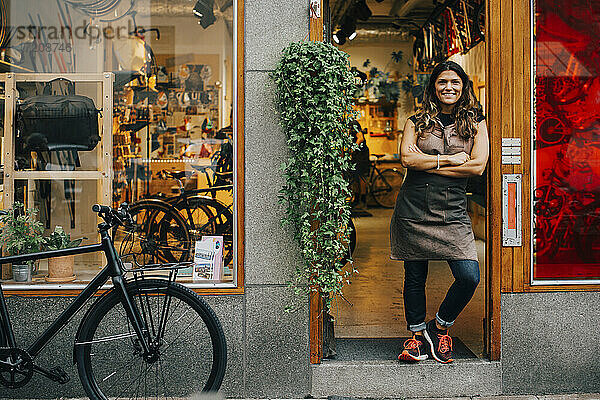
(445, 345)
(412, 343)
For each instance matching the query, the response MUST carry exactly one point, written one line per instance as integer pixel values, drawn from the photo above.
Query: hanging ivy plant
(314, 87)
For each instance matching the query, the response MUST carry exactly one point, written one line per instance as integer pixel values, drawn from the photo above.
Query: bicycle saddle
(173, 174)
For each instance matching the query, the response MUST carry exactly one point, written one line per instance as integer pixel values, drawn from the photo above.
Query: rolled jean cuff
(417, 328)
(442, 322)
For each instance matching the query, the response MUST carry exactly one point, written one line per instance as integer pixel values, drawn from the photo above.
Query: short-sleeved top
(444, 139)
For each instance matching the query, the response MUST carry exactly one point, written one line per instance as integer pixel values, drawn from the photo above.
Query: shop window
(164, 142)
(566, 190)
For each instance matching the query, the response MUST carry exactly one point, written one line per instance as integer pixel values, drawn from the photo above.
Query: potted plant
(60, 269)
(21, 234)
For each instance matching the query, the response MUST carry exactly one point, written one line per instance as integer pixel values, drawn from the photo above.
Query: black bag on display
(69, 122)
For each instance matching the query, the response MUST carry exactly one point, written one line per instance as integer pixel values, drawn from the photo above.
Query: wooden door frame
(509, 41)
(316, 308)
(508, 96)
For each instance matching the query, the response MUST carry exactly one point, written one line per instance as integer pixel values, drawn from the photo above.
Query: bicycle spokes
(176, 333)
(156, 235)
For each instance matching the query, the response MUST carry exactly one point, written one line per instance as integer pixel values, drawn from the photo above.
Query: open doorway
(393, 46)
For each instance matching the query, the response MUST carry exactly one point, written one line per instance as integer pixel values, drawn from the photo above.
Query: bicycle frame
(111, 270)
(374, 172)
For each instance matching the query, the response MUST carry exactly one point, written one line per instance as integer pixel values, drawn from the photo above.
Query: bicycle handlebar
(114, 217)
(97, 208)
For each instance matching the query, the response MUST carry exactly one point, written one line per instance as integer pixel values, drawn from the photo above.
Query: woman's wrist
(444, 160)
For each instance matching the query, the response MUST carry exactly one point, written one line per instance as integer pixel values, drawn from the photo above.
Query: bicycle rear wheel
(191, 352)
(159, 234)
(199, 217)
(220, 222)
(386, 186)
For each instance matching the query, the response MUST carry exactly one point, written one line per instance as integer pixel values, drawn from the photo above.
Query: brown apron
(430, 220)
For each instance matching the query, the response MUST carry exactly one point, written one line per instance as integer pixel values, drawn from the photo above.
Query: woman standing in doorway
(443, 144)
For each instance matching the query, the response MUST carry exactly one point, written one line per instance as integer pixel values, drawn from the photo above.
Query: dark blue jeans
(466, 279)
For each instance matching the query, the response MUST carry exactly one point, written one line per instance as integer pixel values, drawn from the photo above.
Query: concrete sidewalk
(582, 396)
(576, 396)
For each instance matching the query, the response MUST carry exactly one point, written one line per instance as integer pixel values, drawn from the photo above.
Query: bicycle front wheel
(386, 186)
(220, 222)
(189, 350)
(159, 234)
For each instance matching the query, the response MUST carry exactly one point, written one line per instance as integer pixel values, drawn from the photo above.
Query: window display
(160, 137)
(566, 148)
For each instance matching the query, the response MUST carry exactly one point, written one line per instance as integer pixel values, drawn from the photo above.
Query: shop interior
(170, 140)
(393, 45)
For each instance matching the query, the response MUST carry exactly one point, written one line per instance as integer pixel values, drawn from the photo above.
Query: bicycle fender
(157, 202)
(179, 201)
(85, 317)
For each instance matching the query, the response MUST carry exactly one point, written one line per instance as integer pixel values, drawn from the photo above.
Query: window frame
(212, 288)
(533, 284)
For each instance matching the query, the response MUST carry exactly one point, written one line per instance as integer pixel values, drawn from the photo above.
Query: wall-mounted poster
(567, 142)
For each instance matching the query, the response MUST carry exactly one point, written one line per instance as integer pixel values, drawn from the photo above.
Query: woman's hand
(412, 157)
(476, 162)
(458, 158)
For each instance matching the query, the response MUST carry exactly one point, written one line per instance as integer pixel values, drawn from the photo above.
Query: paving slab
(439, 398)
(576, 396)
(518, 397)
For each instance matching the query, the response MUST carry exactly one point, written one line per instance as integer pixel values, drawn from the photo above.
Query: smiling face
(448, 88)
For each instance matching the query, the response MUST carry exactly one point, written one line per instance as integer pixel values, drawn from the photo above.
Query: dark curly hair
(467, 108)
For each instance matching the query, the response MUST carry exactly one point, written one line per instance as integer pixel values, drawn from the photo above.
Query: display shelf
(104, 172)
(380, 119)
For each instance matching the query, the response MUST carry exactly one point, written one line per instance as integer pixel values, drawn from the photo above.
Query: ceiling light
(352, 35)
(204, 10)
(339, 37)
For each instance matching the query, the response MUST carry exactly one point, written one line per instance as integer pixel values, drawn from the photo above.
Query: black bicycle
(203, 212)
(383, 184)
(146, 337)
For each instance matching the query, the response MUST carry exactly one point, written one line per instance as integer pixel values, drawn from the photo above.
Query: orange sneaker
(440, 343)
(414, 349)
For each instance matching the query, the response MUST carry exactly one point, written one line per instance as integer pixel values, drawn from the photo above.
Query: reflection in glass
(567, 142)
(172, 139)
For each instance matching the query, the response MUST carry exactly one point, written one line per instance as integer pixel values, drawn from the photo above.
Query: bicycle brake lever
(124, 215)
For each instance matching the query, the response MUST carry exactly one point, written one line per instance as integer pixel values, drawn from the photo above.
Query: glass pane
(66, 205)
(171, 138)
(567, 145)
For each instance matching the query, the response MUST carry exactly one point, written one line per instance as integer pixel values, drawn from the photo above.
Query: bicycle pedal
(56, 374)
(60, 375)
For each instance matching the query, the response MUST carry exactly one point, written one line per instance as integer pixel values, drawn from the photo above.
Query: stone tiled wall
(267, 347)
(276, 361)
(550, 342)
